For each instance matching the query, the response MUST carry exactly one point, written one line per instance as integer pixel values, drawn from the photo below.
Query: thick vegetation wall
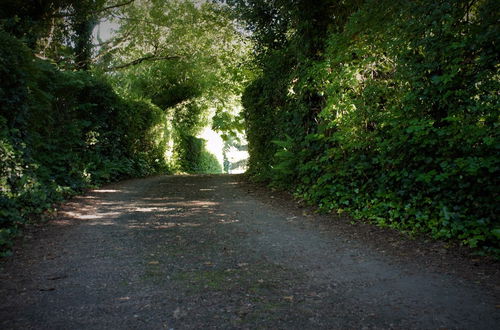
(77, 110)
(388, 110)
(62, 131)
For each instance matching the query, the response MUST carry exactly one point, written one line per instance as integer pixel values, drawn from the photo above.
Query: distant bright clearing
(215, 145)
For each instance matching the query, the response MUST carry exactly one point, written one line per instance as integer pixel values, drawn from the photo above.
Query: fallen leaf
(48, 289)
(154, 262)
(59, 277)
(288, 298)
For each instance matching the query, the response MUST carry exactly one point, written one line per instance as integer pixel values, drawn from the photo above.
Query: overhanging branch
(71, 14)
(117, 5)
(149, 58)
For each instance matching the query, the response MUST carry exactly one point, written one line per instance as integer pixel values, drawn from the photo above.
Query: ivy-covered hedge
(62, 131)
(393, 116)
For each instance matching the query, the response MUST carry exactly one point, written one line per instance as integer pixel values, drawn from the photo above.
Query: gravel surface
(213, 251)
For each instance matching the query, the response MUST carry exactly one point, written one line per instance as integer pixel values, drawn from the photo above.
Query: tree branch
(117, 5)
(71, 14)
(149, 58)
(108, 50)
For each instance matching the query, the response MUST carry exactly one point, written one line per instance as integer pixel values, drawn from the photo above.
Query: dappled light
(103, 223)
(160, 225)
(153, 209)
(105, 191)
(169, 212)
(222, 221)
(89, 215)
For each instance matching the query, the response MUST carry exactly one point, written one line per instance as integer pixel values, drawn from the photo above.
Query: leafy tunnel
(386, 110)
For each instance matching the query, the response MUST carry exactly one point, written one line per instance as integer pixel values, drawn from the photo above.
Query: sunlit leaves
(201, 36)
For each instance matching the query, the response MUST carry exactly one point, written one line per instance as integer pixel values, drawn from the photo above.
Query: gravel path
(200, 252)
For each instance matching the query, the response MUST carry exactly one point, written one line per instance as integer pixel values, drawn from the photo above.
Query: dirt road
(200, 252)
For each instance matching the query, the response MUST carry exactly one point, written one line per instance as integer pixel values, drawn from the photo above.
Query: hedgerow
(64, 131)
(390, 115)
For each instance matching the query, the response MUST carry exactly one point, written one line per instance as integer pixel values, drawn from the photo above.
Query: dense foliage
(385, 109)
(74, 114)
(62, 131)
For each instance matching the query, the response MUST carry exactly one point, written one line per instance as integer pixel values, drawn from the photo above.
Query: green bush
(193, 156)
(396, 120)
(63, 131)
